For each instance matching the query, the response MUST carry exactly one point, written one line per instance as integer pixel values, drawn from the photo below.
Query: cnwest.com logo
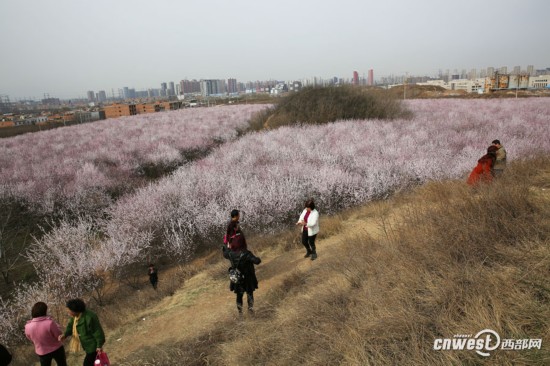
(484, 342)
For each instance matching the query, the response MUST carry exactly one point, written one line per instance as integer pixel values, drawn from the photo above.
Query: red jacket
(483, 172)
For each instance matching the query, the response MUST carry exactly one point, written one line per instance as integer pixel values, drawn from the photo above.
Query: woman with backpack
(244, 279)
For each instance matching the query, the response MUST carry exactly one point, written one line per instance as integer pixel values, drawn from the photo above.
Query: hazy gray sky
(66, 47)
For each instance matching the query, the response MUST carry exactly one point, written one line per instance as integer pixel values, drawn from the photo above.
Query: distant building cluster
(128, 101)
(45, 117)
(130, 109)
(493, 79)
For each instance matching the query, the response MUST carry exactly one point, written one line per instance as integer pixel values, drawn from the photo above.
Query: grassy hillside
(391, 277)
(319, 105)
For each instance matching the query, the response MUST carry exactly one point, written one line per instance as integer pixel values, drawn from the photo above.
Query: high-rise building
(221, 87)
(91, 96)
(101, 96)
(503, 70)
(171, 89)
(190, 86)
(209, 87)
(490, 71)
(355, 78)
(530, 70)
(371, 77)
(182, 86)
(232, 86)
(517, 70)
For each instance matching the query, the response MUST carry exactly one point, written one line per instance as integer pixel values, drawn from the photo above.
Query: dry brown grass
(445, 260)
(391, 277)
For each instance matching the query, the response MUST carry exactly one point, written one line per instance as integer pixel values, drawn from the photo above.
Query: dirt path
(174, 319)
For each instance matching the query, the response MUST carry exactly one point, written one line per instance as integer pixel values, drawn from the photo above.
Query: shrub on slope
(314, 105)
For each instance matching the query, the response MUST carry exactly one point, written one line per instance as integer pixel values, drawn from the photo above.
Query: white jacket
(312, 221)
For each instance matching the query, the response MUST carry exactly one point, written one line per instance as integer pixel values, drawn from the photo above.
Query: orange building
(147, 108)
(119, 110)
(6, 124)
(170, 106)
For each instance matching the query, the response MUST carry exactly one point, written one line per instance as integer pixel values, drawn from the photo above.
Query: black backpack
(235, 276)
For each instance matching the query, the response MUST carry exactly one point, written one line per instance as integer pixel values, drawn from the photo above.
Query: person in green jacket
(86, 331)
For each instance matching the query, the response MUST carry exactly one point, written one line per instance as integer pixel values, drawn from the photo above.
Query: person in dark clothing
(5, 356)
(153, 276)
(244, 260)
(500, 161)
(234, 236)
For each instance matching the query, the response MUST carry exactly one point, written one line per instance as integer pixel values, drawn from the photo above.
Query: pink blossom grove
(267, 175)
(77, 166)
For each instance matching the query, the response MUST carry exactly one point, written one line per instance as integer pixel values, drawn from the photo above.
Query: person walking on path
(309, 220)
(86, 331)
(44, 332)
(244, 261)
(500, 162)
(234, 237)
(153, 276)
(483, 172)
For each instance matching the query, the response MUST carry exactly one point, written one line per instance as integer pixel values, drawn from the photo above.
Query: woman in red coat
(483, 172)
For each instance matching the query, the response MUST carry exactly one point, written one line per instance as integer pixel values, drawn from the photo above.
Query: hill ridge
(206, 295)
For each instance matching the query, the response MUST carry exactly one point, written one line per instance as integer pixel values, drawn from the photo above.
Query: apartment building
(143, 108)
(119, 110)
(539, 82)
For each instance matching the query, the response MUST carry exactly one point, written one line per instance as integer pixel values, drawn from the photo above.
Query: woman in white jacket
(309, 220)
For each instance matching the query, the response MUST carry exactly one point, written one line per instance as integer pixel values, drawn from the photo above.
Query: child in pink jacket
(43, 331)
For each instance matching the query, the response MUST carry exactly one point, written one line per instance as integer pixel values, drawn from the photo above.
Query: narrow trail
(205, 301)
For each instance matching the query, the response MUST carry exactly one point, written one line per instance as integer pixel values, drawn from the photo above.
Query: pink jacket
(43, 332)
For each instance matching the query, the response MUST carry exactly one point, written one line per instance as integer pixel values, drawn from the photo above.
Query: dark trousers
(58, 355)
(309, 242)
(249, 300)
(89, 359)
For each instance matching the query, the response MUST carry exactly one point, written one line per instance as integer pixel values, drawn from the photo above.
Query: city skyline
(71, 47)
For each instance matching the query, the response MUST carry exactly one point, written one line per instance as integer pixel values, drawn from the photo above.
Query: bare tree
(11, 248)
